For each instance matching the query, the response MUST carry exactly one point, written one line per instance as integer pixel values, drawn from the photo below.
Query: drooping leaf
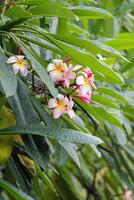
(8, 78)
(15, 192)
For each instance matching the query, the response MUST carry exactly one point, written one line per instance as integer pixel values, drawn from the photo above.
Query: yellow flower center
(21, 62)
(61, 104)
(58, 68)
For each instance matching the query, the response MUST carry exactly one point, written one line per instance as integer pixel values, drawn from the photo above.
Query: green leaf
(93, 46)
(112, 93)
(107, 116)
(104, 101)
(2, 99)
(17, 12)
(61, 134)
(120, 44)
(8, 79)
(15, 192)
(53, 9)
(91, 12)
(90, 109)
(45, 179)
(71, 151)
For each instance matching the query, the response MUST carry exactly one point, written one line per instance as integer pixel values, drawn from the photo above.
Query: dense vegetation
(77, 145)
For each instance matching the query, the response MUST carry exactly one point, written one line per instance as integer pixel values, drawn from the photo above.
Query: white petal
(23, 71)
(60, 62)
(52, 103)
(20, 57)
(80, 80)
(16, 68)
(50, 67)
(12, 59)
(84, 89)
(71, 113)
(77, 67)
(60, 97)
(72, 76)
(56, 76)
(57, 113)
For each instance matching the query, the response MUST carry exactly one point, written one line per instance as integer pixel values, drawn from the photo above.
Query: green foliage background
(65, 159)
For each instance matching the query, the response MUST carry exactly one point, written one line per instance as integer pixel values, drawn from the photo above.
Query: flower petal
(80, 80)
(84, 89)
(52, 103)
(56, 75)
(23, 71)
(60, 97)
(72, 76)
(77, 67)
(12, 59)
(50, 67)
(57, 112)
(71, 113)
(16, 68)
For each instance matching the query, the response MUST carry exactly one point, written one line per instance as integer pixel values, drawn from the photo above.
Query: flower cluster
(79, 80)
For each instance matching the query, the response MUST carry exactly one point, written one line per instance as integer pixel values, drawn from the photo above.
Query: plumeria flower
(19, 64)
(85, 98)
(58, 105)
(56, 69)
(128, 195)
(69, 108)
(69, 74)
(85, 81)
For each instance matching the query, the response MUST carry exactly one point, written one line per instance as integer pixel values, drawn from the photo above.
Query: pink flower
(56, 69)
(58, 105)
(85, 81)
(128, 195)
(61, 105)
(85, 98)
(19, 64)
(69, 74)
(69, 107)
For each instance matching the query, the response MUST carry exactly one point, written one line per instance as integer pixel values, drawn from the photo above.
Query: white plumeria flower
(58, 105)
(61, 105)
(85, 82)
(56, 69)
(19, 64)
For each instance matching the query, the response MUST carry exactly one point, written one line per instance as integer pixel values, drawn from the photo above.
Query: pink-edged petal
(85, 89)
(60, 97)
(52, 103)
(12, 59)
(77, 67)
(16, 68)
(66, 100)
(23, 71)
(65, 83)
(85, 98)
(57, 113)
(80, 80)
(72, 76)
(56, 76)
(50, 67)
(71, 113)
